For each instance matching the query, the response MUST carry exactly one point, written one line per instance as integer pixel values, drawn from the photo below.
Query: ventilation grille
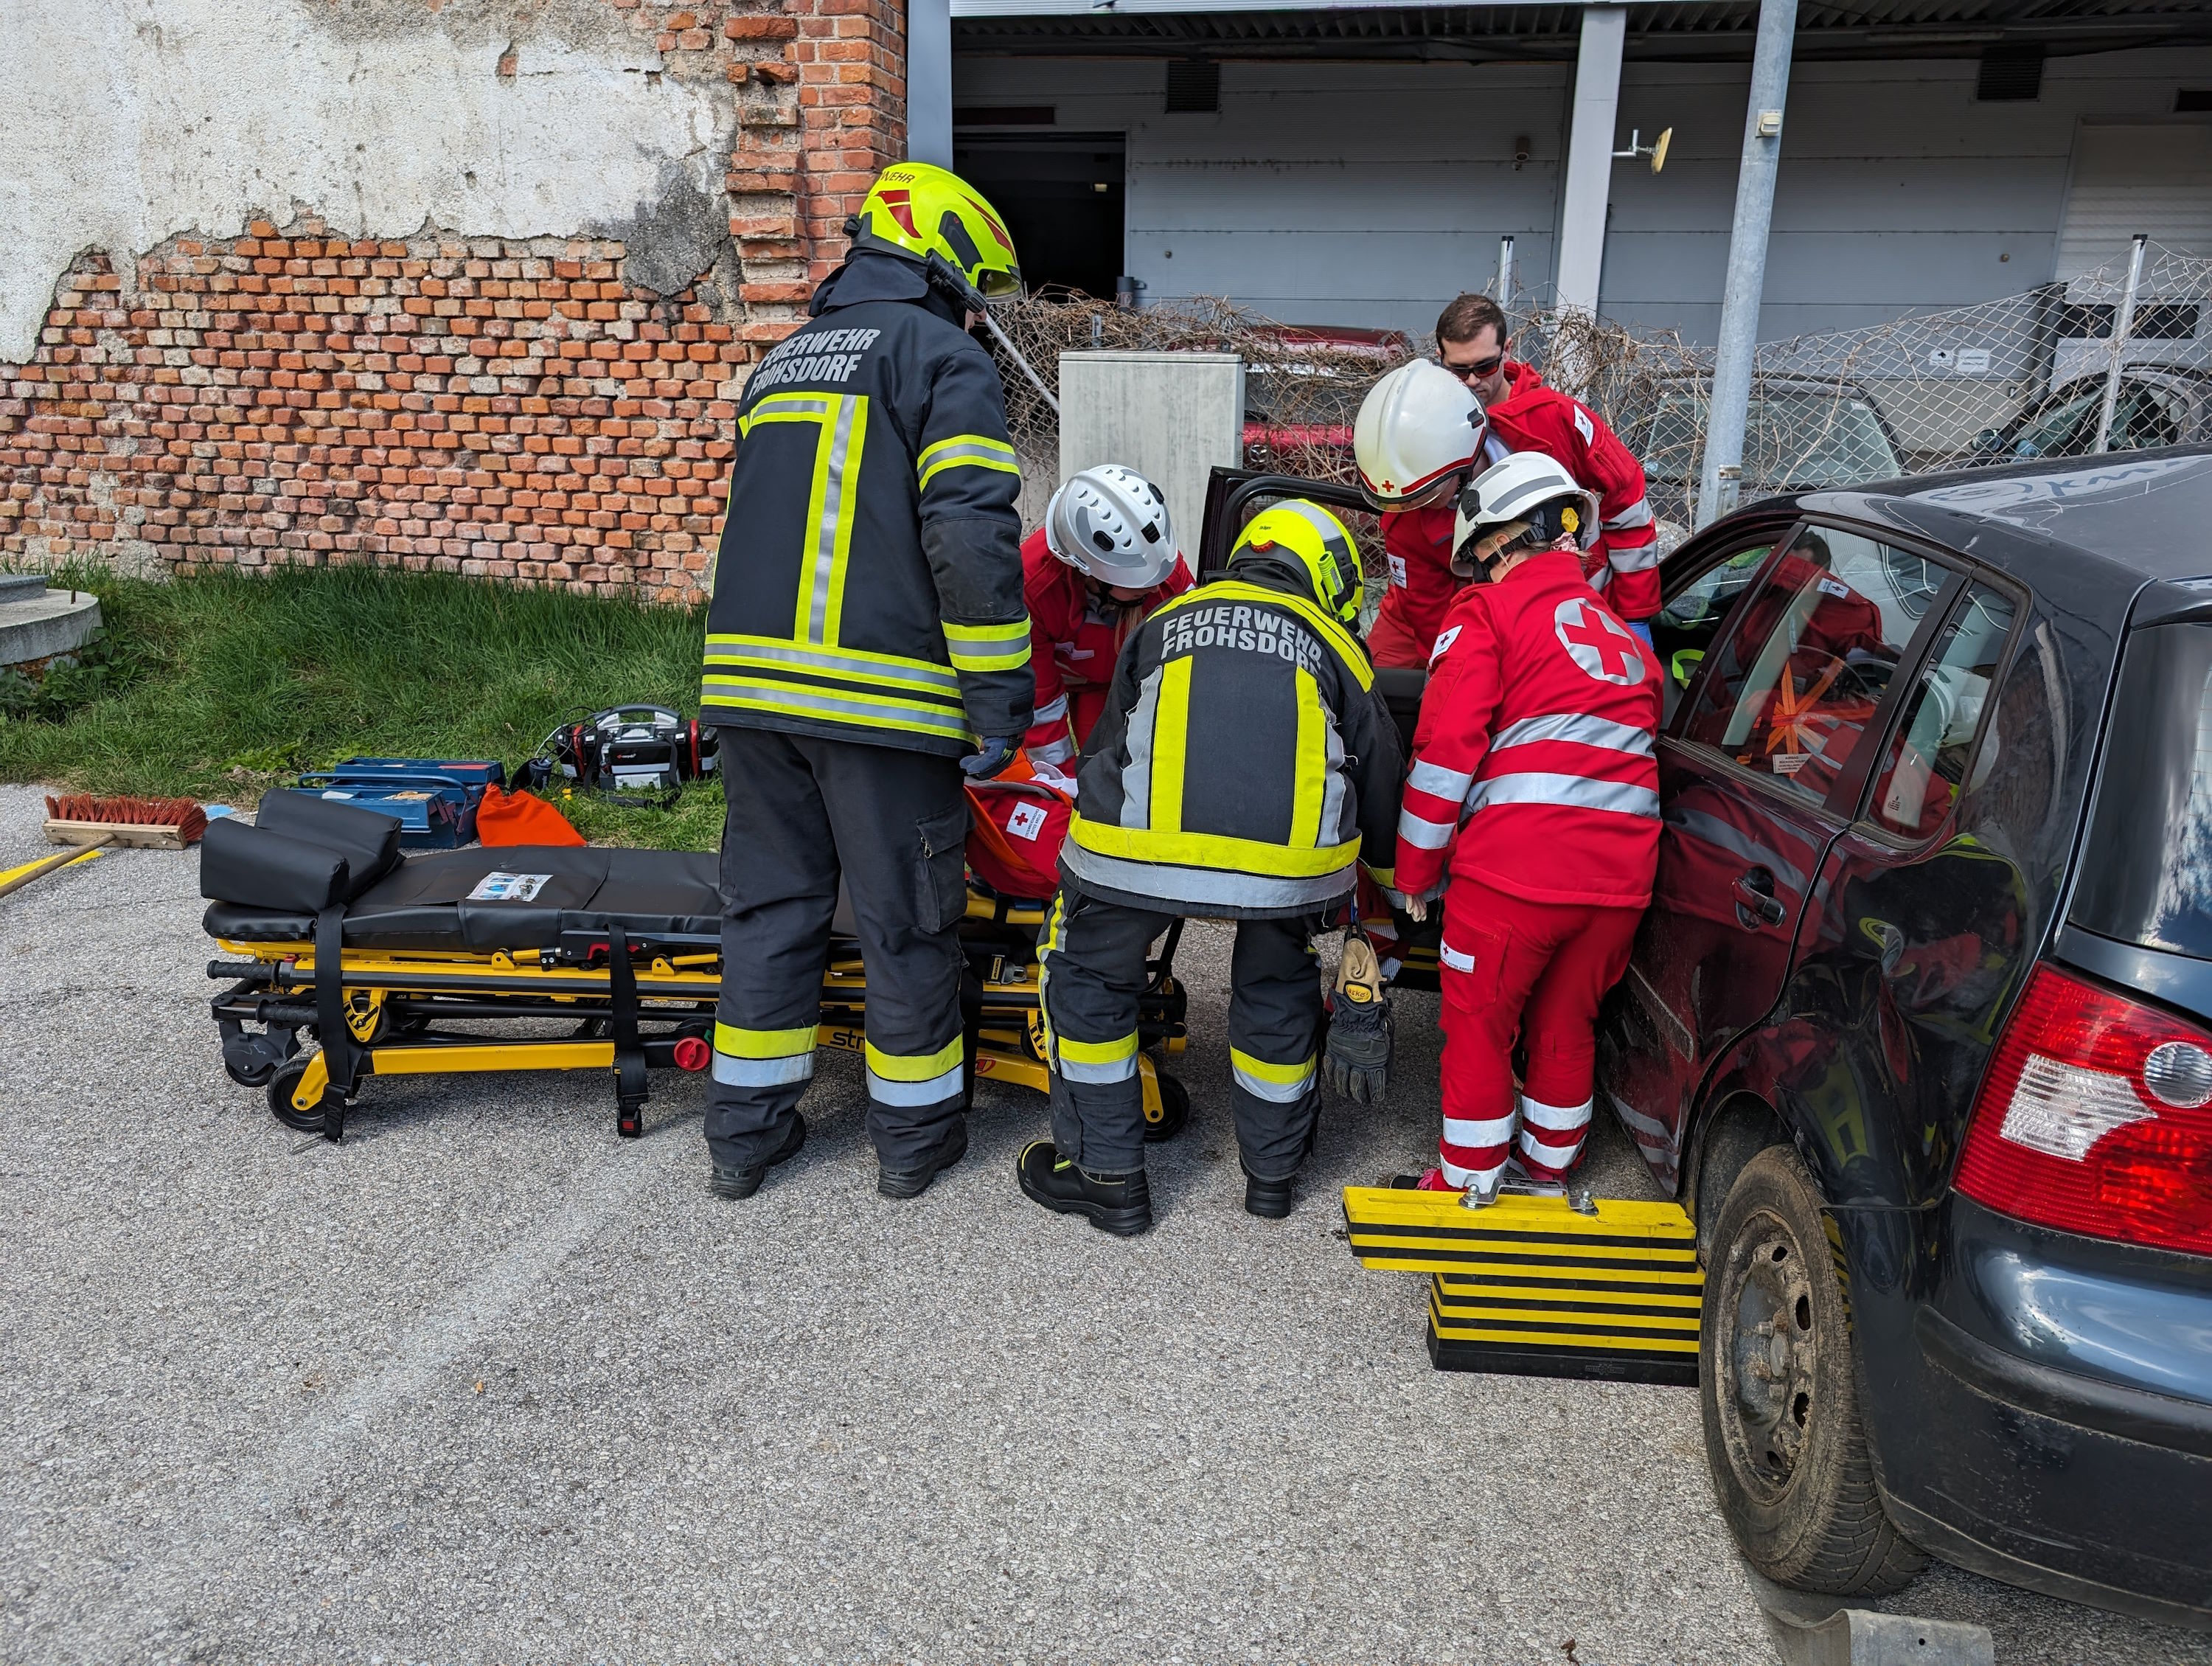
(2010, 73)
(1194, 87)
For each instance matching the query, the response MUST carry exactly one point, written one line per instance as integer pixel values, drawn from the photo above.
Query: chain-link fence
(2025, 375)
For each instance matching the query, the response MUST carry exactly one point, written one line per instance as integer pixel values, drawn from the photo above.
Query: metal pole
(929, 82)
(1746, 264)
(1505, 271)
(2122, 322)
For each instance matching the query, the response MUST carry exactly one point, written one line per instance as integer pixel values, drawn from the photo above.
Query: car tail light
(2096, 1118)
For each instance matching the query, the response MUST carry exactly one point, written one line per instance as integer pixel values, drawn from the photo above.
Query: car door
(1760, 764)
(1924, 921)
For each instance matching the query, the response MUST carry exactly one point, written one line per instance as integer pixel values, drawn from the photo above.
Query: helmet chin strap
(948, 278)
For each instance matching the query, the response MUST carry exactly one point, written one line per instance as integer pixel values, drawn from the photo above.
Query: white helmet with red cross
(1418, 430)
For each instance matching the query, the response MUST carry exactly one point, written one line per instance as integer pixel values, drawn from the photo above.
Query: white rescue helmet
(1112, 523)
(1417, 428)
(1531, 491)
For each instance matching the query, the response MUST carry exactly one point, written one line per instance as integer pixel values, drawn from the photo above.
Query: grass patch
(221, 685)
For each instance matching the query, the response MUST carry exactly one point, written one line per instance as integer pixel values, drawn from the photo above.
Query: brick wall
(504, 407)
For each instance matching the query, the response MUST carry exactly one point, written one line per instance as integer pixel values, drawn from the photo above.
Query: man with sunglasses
(1527, 415)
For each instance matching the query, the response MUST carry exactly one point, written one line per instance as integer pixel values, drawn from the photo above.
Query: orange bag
(1021, 817)
(521, 818)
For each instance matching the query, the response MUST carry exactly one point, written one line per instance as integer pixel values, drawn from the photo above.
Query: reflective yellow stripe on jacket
(989, 647)
(974, 451)
(837, 684)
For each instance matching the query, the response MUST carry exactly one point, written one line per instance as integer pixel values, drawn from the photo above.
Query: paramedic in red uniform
(1419, 437)
(1534, 782)
(1526, 414)
(1104, 562)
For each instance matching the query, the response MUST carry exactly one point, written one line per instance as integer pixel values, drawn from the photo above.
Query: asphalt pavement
(484, 1384)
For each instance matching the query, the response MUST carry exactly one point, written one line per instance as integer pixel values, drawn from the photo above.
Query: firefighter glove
(1357, 1059)
(998, 752)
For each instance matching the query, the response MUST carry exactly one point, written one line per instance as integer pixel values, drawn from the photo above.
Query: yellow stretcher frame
(667, 987)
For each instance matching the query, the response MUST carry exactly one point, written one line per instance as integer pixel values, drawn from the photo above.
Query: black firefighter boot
(1118, 1203)
(737, 1184)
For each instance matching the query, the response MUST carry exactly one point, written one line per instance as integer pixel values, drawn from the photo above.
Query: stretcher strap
(339, 1051)
(629, 1054)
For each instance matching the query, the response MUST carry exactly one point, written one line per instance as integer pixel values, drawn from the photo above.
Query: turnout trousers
(894, 823)
(1538, 969)
(1091, 970)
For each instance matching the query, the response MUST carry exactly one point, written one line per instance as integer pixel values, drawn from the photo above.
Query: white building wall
(1369, 194)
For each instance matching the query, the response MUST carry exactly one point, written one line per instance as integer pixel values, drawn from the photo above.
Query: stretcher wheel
(1168, 1120)
(279, 1100)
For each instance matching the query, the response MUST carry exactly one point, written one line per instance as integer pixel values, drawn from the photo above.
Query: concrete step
(44, 623)
(21, 586)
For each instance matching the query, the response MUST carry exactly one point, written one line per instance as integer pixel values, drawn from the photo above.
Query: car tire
(1779, 1392)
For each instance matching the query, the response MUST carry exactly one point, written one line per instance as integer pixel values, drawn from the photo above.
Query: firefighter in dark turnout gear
(1241, 766)
(866, 635)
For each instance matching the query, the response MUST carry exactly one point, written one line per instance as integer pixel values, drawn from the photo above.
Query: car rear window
(2147, 869)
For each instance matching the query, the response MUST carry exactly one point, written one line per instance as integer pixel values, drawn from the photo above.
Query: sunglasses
(1480, 368)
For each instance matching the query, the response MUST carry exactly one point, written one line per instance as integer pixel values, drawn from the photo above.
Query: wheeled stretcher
(542, 958)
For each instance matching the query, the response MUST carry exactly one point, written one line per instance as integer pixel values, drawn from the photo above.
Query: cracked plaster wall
(130, 121)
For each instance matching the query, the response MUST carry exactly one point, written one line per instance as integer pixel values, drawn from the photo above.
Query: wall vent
(1194, 87)
(2193, 102)
(2011, 72)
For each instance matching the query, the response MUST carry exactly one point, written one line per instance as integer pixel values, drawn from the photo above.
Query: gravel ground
(484, 1384)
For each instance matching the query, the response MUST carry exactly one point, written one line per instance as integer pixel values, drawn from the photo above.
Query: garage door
(2151, 177)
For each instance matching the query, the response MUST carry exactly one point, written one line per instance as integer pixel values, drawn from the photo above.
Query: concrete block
(1172, 416)
(21, 586)
(48, 623)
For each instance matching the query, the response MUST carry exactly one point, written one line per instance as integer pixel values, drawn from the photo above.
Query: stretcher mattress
(510, 897)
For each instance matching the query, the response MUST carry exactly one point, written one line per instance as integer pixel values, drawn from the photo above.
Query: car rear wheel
(1784, 1437)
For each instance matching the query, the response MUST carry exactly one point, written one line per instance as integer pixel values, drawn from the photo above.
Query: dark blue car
(1919, 1026)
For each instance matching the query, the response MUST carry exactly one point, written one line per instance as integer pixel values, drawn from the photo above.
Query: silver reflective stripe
(1332, 830)
(1423, 834)
(1646, 1130)
(1275, 1093)
(1058, 753)
(1703, 824)
(1201, 887)
(1574, 792)
(1638, 514)
(1477, 1135)
(1114, 1070)
(734, 1072)
(885, 1091)
(817, 659)
(1439, 782)
(1562, 1118)
(833, 516)
(1636, 559)
(1599, 579)
(1051, 711)
(902, 714)
(1453, 958)
(1579, 727)
(1137, 741)
(1481, 1179)
(1554, 1153)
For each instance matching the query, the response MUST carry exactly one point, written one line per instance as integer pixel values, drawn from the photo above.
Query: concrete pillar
(929, 82)
(1590, 155)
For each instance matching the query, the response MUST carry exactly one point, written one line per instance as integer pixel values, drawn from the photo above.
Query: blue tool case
(435, 801)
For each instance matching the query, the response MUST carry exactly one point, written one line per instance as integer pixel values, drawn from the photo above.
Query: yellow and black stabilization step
(1535, 1286)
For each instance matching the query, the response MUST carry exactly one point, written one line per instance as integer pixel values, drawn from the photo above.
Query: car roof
(2143, 511)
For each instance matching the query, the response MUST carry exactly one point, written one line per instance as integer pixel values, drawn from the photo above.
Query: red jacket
(1536, 732)
(1418, 544)
(1623, 562)
(1073, 643)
